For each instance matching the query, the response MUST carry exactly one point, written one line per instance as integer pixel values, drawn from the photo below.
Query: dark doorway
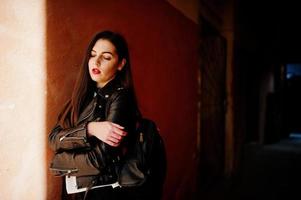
(292, 103)
(213, 104)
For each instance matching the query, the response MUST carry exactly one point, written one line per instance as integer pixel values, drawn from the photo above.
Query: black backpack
(145, 166)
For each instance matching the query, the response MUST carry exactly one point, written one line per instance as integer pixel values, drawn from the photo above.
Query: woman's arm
(106, 131)
(119, 118)
(119, 111)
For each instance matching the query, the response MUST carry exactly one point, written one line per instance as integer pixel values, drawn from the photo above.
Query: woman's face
(104, 62)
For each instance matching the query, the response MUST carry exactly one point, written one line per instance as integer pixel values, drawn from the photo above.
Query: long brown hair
(84, 87)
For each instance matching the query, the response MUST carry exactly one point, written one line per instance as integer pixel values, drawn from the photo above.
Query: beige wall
(22, 91)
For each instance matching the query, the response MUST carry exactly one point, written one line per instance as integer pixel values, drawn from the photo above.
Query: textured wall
(190, 8)
(22, 100)
(163, 45)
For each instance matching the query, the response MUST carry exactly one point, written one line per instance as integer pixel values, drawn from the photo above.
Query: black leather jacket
(88, 158)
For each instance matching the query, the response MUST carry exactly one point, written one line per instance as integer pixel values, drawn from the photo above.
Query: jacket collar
(109, 88)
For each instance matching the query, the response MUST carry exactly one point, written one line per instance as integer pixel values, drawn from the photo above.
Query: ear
(121, 64)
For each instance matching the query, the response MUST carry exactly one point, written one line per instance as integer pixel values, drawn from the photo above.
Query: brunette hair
(85, 86)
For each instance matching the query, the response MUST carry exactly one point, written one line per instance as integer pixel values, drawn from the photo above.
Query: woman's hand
(106, 131)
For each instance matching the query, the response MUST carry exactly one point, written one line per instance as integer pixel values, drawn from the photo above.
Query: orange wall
(163, 45)
(190, 8)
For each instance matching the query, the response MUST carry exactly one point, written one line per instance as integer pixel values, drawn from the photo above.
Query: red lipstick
(95, 71)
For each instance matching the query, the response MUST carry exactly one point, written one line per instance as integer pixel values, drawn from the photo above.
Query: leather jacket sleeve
(120, 109)
(61, 139)
(68, 139)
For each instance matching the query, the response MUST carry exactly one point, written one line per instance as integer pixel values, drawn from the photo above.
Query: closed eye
(107, 57)
(92, 54)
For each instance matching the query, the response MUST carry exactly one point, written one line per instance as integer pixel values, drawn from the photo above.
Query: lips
(95, 71)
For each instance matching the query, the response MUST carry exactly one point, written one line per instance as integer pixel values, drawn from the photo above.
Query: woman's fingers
(110, 133)
(114, 140)
(117, 125)
(119, 131)
(116, 136)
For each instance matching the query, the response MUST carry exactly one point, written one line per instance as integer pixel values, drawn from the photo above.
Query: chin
(93, 78)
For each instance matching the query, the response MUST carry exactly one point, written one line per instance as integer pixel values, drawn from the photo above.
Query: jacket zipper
(90, 113)
(65, 171)
(63, 137)
(75, 137)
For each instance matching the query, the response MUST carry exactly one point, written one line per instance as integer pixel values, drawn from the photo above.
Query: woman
(95, 128)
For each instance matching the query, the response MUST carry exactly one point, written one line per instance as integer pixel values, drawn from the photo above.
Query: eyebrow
(103, 52)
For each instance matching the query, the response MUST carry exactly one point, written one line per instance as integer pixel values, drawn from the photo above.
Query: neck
(102, 84)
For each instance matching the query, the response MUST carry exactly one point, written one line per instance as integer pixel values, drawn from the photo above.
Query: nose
(98, 61)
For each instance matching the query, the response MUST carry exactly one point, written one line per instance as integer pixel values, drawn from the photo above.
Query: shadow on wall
(163, 46)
